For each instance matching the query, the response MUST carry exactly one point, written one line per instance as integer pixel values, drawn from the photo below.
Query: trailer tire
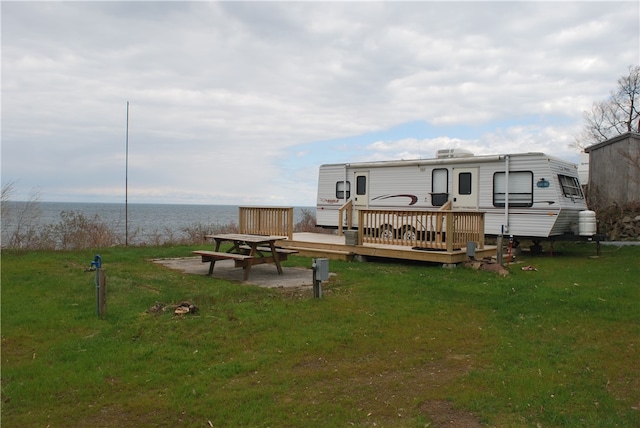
(386, 231)
(408, 233)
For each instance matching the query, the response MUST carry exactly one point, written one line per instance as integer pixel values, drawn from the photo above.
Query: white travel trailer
(544, 198)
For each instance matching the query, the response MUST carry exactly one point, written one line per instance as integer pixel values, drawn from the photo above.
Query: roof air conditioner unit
(454, 153)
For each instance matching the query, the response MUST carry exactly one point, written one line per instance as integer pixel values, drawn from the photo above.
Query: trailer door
(465, 188)
(361, 199)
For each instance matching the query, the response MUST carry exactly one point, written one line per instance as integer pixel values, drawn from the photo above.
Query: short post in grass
(101, 286)
(499, 249)
(102, 293)
(320, 273)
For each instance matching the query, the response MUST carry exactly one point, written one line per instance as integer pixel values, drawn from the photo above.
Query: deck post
(290, 223)
(449, 231)
(242, 220)
(348, 207)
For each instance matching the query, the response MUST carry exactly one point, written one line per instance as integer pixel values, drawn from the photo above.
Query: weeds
(22, 229)
(19, 222)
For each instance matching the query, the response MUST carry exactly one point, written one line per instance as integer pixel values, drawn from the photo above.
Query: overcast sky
(241, 102)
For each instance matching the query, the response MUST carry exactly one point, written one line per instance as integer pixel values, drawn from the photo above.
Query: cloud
(240, 102)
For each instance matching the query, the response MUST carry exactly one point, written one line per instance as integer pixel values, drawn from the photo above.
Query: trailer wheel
(408, 234)
(387, 232)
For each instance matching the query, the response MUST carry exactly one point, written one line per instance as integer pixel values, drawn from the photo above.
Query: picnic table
(247, 250)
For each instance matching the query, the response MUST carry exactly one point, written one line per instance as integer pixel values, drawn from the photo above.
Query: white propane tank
(587, 223)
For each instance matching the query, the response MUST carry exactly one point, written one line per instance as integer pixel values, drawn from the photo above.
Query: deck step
(322, 252)
(333, 247)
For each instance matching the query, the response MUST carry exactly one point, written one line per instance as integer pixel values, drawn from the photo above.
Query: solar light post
(101, 286)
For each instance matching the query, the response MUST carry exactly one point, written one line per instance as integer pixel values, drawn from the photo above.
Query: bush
(77, 231)
(196, 232)
(307, 223)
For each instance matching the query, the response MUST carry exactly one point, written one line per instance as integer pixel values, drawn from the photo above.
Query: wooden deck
(333, 246)
(442, 234)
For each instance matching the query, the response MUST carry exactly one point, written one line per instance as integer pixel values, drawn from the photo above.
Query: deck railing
(441, 230)
(266, 221)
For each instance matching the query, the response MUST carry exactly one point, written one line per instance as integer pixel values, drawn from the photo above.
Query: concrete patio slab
(265, 275)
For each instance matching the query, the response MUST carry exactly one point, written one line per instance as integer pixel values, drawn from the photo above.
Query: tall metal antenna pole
(126, 185)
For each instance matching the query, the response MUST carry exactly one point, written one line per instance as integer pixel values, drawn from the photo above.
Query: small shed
(614, 172)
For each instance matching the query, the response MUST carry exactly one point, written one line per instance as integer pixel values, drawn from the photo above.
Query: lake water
(144, 219)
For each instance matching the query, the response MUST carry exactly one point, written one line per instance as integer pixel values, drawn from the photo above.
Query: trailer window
(439, 187)
(340, 189)
(520, 189)
(464, 183)
(361, 185)
(570, 187)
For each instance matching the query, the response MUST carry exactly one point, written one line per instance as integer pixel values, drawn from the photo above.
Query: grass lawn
(389, 344)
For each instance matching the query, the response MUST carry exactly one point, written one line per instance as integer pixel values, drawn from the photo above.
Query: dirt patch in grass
(122, 415)
(443, 414)
(390, 396)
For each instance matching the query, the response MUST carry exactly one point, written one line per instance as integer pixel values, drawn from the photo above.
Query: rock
(157, 308)
(181, 310)
(495, 267)
(185, 308)
(488, 265)
(474, 264)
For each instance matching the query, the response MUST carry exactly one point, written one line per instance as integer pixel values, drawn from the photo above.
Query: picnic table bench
(247, 250)
(282, 252)
(214, 256)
